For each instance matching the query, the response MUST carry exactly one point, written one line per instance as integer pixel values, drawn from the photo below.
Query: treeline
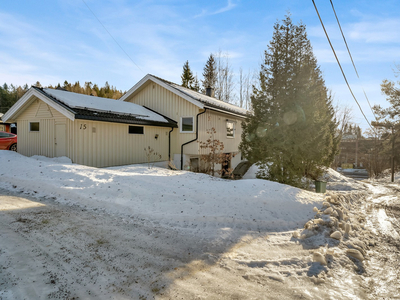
(9, 94)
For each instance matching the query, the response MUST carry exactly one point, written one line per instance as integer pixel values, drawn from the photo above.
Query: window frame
(181, 125)
(133, 132)
(30, 126)
(233, 129)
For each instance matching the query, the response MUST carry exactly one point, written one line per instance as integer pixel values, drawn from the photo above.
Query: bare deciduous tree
(225, 85)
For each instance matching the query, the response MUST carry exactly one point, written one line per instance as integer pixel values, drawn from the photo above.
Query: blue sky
(53, 41)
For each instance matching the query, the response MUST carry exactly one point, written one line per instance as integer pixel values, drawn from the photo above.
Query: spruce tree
(291, 132)
(196, 85)
(209, 74)
(187, 76)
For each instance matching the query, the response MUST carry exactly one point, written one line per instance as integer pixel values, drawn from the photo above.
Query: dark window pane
(136, 129)
(187, 124)
(34, 126)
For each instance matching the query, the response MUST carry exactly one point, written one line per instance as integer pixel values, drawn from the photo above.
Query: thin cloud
(230, 5)
(226, 8)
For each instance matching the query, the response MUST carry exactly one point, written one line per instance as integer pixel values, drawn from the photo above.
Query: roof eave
(164, 85)
(226, 112)
(124, 121)
(27, 99)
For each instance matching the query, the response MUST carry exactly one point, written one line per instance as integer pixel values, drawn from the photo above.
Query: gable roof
(196, 98)
(79, 106)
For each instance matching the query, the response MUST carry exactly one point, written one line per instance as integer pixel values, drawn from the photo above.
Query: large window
(136, 130)
(230, 129)
(34, 126)
(187, 124)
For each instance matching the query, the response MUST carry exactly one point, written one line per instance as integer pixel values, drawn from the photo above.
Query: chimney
(210, 92)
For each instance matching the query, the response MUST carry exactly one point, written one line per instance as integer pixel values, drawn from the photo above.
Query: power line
(348, 50)
(112, 36)
(370, 105)
(340, 66)
(340, 27)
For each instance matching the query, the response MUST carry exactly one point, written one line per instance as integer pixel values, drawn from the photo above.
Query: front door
(60, 140)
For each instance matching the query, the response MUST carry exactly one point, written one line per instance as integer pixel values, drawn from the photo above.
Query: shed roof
(104, 109)
(79, 106)
(198, 99)
(88, 103)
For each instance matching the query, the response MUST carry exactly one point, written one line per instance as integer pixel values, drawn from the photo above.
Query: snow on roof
(213, 102)
(74, 100)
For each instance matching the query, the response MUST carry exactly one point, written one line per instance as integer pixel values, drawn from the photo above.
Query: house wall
(103, 144)
(43, 141)
(213, 119)
(5, 127)
(91, 143)
(173, 106)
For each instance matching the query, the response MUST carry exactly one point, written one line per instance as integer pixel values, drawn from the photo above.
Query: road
(53, 251)
(384, 222)
(50, 250)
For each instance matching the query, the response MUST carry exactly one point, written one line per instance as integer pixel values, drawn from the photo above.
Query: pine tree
(187, 76)
(209, 74)
(292, 131)
(196, 85)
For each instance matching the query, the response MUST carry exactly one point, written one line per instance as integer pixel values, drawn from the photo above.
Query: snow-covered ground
(132, 232)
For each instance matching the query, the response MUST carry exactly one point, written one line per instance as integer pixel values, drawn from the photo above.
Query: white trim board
(27, 100)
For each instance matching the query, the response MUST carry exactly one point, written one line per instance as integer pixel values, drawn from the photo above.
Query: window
(187, 124)
(230, 129)
(34, 126)
(136, 130)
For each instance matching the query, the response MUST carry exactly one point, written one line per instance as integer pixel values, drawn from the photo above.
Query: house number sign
(83, 127)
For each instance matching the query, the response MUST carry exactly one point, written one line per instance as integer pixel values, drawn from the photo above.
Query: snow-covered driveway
(73, 232)
(54, 251)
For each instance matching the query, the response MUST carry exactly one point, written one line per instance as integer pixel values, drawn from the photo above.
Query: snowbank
(251, 172)
(177, 199)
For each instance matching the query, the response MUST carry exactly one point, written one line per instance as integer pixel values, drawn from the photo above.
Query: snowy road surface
(54, 251)
(65, 252)
(74, 232)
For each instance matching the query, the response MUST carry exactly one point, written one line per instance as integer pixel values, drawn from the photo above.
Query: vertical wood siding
(100, 144)
(218, 120)
(104, 144)
(42, 142)
(171, 105)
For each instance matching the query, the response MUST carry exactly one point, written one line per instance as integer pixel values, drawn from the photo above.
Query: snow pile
(337, 233)
(179, 199)
(244, 236)
(338, 182)
(335, 180)
(251, 172)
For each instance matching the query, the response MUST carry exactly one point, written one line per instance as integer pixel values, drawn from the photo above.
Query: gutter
(226, 112)
(197, 135)
(169, 144)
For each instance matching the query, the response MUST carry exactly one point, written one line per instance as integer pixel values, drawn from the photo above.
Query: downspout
(197, 136)
(169, 144)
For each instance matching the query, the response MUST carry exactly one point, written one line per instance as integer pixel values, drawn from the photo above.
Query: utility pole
(356, 150)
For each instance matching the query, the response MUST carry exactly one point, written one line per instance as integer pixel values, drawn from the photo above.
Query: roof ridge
(191, 96)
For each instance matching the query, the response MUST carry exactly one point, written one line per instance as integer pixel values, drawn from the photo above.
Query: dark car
(8, 141)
